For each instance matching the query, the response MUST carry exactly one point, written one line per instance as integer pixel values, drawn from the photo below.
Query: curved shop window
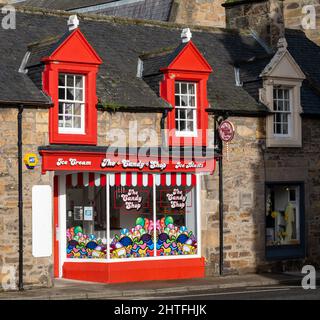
(142, 215)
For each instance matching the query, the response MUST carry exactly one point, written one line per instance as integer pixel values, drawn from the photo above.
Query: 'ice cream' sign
(132, 200)
(177, 199)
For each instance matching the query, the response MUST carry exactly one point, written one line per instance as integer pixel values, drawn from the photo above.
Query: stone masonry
(37, 271)
(293, 16)
(246, 169)
(199, 12)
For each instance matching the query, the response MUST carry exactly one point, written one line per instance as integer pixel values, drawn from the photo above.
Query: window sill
(283, 142)
(180, 134)
(71, 132)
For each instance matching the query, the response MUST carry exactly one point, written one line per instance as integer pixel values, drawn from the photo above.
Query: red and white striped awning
(131, 179)
(86, 179)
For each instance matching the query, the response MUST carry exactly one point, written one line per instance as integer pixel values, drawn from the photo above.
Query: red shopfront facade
(124, 218)
(118, 216)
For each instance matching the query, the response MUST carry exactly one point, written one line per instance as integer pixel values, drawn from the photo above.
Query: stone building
(134, 71)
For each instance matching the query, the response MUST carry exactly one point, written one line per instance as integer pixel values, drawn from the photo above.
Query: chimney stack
(264, 17)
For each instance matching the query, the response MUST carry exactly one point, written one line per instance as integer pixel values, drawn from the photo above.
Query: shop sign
(177, 199)
(226, 131)
(72, 162)
(53, 161)
(31, 160)
(88, 214)
(132, 200)
(125, 164)
(78, 213)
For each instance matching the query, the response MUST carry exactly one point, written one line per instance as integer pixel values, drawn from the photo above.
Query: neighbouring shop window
(282, 111)
(131, 222)
(176, 220)
(185, 108)
(283, 216)
(86, 222)
(71, 103)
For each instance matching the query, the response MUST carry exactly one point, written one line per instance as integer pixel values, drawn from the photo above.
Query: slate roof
(63, 4)
(153, 62)
(44, 48)
(139, 9)
(148, 9)
(120, 43)
(306, 54)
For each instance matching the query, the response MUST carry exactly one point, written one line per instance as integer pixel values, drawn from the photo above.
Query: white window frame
(80, 130)
(194, 132)
(287, 112)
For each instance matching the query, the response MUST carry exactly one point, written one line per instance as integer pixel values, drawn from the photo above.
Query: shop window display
(125, 219)
(283, 215)
(176, 221)
(86, 222)
(131, 222)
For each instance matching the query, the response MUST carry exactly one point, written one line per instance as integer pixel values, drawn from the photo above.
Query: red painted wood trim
(135, 271)
(56, 225)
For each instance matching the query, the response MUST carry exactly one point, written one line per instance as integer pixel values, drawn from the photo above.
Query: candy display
(138, 242)
(84, 246)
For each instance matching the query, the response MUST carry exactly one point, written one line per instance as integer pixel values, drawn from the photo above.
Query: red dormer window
(69, 78)
(185, 88)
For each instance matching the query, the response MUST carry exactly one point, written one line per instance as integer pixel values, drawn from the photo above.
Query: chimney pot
(186, 35)
(73, 22)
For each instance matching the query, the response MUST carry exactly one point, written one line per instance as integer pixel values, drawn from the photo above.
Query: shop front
(120, 220)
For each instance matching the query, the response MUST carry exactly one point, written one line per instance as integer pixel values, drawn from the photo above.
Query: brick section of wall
(37, 271)
(199, 12)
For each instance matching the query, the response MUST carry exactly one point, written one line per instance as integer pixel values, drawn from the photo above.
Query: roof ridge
(122, 20)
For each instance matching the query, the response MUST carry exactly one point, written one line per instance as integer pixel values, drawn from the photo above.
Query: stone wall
(265, 17)
(131, 125)
(245, 173)
(199, 12)
(37, 271)
(243, 178)
(293, 17)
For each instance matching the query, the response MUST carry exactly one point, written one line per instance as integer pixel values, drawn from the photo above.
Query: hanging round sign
(226, 131)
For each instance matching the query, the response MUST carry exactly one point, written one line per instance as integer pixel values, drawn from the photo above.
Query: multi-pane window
(71, 103)
(186, 108)
(282, 111)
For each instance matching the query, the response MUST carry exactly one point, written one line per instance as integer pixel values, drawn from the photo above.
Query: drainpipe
(162, 127)
(219, 144)
(221, 252)
(20, 201)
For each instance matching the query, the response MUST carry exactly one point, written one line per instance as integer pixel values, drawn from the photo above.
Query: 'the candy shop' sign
(125, 164)
(132, 199)
(177, 199)
(97, 162)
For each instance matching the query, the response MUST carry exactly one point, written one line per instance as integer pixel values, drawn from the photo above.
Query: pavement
(79, 290)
